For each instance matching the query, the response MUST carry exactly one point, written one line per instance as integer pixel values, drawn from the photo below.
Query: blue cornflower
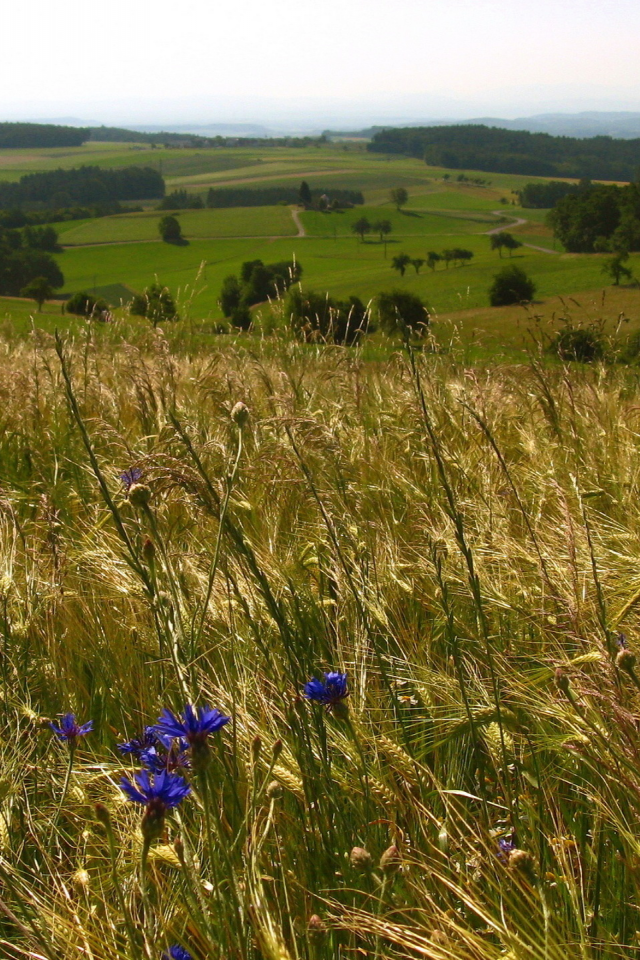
(136, 746)
(175, 758)
(506, 846)
(329, 691)
(194, 726)
(130, 477)
(176, 952)
(166, 791)
(69, 730)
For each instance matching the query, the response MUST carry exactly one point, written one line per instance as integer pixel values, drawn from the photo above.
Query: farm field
(458, 549)
(114, 255)
(238, 221)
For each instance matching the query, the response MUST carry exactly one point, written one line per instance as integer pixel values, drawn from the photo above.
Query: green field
(233, 222)
(118, 255)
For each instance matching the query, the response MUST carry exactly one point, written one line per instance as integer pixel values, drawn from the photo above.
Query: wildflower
(176, 756)
(506, 845)
(165, 792)
(194, 726)
(136, 746)
(176, 952)
(330, 691)
(130, 477)
(69, 730)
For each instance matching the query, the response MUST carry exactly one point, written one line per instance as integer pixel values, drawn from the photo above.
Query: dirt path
(518, 222)
(505, 226)
(298, 222)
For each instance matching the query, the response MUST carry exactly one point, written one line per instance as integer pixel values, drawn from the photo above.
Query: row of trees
(19, 136)
(455, 255)
(224, 197)
(86, 184)
(25, 256)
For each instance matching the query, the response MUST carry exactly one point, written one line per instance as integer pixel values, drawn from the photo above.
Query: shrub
(581, 344)
(511, 285)
(318, 318)
(400, 310)
(83, 304)
(170, 229)
(156, 304)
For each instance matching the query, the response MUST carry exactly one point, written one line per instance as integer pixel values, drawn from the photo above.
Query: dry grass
(464, 544)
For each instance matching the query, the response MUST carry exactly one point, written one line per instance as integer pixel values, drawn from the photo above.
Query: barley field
(187, 541)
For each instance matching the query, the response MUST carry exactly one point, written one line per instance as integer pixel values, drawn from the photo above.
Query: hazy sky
(216, 60)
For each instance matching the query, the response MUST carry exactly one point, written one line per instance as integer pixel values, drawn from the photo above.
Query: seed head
(240, 414)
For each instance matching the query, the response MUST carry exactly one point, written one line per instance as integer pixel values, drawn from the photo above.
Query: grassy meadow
(463, 545)
(445, 537)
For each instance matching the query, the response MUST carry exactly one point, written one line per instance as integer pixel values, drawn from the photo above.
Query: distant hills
(622, 125)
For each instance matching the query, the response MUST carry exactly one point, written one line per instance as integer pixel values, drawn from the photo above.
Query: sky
(254, 60)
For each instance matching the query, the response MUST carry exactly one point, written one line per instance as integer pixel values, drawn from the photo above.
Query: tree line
(86, 184)
(478, 147)
(15, 136)
(543, 196)
(25, 257)
(598, 218)
(271, 196)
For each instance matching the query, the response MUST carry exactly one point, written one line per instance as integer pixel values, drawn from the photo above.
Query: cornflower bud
(149, 551)
(562, 680)
(521, 861)
(102, 815)
(315, 926)
(360, 859)
(626, 660)
(256, 747)
(391, 860)
(276, 750)
(139, 495)
(274, 790)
